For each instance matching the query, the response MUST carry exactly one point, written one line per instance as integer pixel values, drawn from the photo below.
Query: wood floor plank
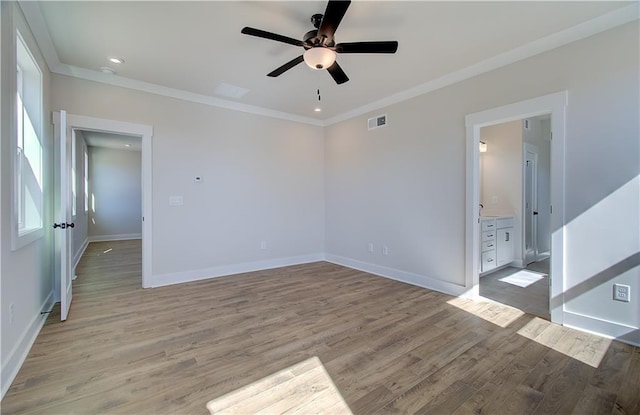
(387, 347)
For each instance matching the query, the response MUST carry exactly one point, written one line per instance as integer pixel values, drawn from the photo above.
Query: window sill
(26, 237)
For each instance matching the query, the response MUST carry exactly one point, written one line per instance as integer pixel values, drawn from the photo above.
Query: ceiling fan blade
(272, 36)
(337, 73)
(279, 71)
(367, 47)
(332, 17)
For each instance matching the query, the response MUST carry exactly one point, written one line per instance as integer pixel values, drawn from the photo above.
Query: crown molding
(115, 80)
(615, 18)
(583, 30)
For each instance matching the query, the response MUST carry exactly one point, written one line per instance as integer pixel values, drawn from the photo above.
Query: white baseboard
(398, 275)
(608, 329)
(225, 270)
(16, 358)
(121, 237)
(78, 255)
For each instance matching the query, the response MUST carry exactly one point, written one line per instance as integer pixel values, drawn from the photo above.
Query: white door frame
(556, 105)
(81, 122)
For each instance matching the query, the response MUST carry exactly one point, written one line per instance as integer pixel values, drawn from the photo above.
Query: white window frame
(21, 236)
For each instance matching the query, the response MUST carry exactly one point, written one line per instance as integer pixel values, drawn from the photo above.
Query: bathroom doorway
(514, 193)
(508, 209)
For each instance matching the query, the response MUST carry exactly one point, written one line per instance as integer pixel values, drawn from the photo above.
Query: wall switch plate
(263, 244)
(385, 250)
(370, 247)
(621, 292)
(176, 201)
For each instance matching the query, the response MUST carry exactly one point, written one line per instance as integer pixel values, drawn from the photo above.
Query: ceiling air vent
(377, 122)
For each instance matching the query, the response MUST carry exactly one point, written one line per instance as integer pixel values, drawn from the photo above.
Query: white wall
(26, 280)
(403, 185)
(262, 180)
(81, 219)
(115, 180)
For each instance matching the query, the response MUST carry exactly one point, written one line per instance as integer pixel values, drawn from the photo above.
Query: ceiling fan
(319, 44)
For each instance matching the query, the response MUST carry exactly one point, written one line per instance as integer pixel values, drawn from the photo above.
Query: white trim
(226, 270)
(116, 80)
(583, 30)
(17, 356)
(608, 329)
(78, 255)
(556, 104)
(119, 237)
(146, 132)
(398, 275)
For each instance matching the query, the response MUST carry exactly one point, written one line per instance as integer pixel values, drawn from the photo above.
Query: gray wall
(404, 185)
(115, 195)
(262, 179)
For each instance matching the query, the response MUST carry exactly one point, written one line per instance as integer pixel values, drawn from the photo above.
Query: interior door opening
(77, 193)
(553, 107)
(513, 192)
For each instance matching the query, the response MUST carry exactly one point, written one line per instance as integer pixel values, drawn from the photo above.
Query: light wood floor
(388, 347)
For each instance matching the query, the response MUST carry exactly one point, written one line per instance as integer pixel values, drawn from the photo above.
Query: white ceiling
(113, 141)
(192, 47)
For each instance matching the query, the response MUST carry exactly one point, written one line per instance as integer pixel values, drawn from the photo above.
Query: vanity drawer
(488, 225)
(488, 246)
(488, 236)
(504, 223)
(488, 260)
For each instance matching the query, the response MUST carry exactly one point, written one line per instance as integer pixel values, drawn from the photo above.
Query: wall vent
(377, 122)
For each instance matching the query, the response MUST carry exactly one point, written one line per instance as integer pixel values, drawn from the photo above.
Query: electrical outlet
(621, 292)
(370, 247)
(263, 244)
(12, 313)
(385, 250)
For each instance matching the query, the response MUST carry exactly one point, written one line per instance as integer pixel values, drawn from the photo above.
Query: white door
(63, 225)
(530, 204)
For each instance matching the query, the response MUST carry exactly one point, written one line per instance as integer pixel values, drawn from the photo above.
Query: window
(28, 162)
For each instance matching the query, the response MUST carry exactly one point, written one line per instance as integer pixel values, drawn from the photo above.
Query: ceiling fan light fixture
(319, 57)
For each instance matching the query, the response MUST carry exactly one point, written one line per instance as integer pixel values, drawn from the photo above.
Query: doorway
(514, 190)
(144, 133)
(555, 105)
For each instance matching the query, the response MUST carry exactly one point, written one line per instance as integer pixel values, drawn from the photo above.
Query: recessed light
(114, 59)
(318, 109)
(106, 69)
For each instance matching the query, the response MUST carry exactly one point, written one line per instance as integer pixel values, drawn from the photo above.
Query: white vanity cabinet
(496, 242)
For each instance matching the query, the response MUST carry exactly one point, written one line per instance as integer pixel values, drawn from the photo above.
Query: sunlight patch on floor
(498, 314)
(303, 388)
(585, 347)
(523, 278)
